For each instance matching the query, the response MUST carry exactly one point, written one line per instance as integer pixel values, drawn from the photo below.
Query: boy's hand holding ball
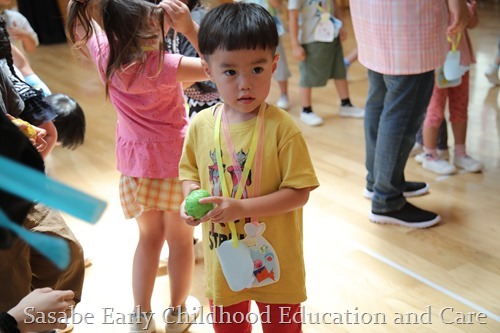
(192, 204)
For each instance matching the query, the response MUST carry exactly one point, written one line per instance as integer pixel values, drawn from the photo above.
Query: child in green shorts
(320, 58)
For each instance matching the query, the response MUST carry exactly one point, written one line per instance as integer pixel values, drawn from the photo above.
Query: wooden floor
(361, 277)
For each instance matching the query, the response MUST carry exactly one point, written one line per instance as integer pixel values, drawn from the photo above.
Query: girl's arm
(178, 17)
(279, 202)
(190, 70)
(474, 17)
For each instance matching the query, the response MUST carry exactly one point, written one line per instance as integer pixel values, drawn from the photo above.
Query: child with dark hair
(36, 110)
(253, 236)
(143, 82)
(199, 95)
(70, 121)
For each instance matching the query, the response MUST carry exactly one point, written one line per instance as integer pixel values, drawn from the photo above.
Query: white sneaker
(311, 119)
(417, 149)
(351, 111)
(439, 166)
(492, 74)
(419, 158)
(283, 102)
(179, 319)
(144, 323)
(443, 155)
(468, 164)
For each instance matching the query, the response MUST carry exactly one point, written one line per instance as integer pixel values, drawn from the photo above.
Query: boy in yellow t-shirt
(254, 161)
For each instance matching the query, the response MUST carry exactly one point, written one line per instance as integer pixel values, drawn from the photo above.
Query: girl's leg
(179, 237)
(433, 118)
(231, 319)
(459, 103)
(147, 256)
(280, 318)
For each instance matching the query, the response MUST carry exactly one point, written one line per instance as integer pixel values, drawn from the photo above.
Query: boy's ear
(206, 68)
(275, 62)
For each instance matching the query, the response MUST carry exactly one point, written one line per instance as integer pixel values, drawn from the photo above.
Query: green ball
(193, 206)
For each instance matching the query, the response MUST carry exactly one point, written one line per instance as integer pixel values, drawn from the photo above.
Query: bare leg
(147, 256)
(179, 237)
(305, 96)
(283, 87)
(430, 136)
(342, 88)
(459, 132)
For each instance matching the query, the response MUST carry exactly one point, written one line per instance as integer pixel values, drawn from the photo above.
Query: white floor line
(428, 282)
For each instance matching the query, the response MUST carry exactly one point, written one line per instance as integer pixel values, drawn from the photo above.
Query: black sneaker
(412, 189)
(408, 216)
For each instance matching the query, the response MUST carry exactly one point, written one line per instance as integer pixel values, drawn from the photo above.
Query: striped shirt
(400, 37)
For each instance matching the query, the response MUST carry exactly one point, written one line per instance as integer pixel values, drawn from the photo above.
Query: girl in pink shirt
(142, 82)
(458, 100)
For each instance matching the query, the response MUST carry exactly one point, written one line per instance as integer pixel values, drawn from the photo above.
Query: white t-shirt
(309, 16)
(14, 18)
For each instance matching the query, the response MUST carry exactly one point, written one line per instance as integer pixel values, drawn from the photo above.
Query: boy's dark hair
(237, 26)
(70, 121)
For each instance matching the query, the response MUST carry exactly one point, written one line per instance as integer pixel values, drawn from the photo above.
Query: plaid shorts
(138, 195)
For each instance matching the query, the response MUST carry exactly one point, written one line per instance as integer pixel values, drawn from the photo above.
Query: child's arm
(28, 38)
(297, 50)
(190, 70)
(279, 202)
(338, 13)
(459, 16)
(474, 17)
(50, 138)
(178, 17)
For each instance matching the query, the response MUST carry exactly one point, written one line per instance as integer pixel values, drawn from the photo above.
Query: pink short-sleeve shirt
(152, 119)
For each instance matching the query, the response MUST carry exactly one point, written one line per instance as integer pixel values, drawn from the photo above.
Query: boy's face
(243, 77)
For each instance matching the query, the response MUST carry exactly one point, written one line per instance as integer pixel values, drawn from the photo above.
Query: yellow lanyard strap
(454, 45)
(246, 167)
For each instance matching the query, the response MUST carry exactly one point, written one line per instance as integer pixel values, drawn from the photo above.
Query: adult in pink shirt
(401, 43)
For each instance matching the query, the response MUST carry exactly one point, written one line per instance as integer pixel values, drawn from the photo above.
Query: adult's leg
(373, 110)
(405, 102)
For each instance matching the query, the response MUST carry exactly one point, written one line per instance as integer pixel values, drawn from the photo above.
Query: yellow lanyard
(328, 7)
(248, 163)
(454, 45)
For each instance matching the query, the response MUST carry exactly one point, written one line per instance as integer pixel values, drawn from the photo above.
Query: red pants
(458, 100)
(275, 318)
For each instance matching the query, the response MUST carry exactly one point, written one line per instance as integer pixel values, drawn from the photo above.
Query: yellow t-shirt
(285, 164)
